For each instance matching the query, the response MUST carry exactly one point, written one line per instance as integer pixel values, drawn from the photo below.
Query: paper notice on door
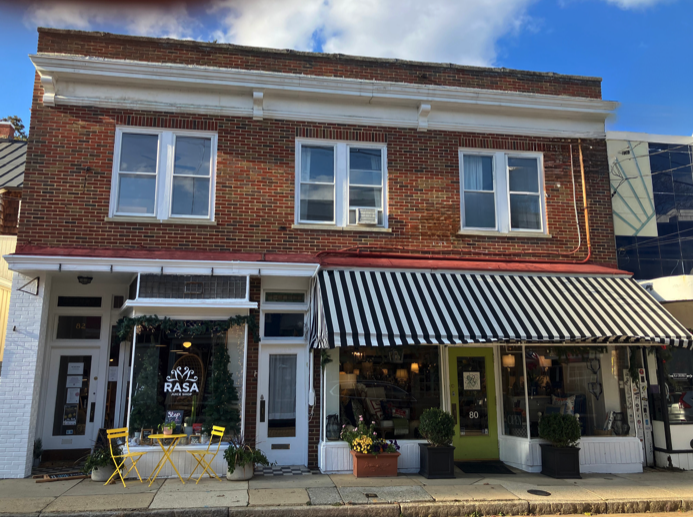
(74, 381)
(112, 374)
(75, 368)
(70, 414)
(72, 396)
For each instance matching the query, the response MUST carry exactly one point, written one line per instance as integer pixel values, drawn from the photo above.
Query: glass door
(473, 403)
(72, 420)
(282, 405)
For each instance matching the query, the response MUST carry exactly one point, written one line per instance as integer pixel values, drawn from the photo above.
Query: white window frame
(341, 180)
(163, 194)
(283, 308)
(492, 192)
(501, 184)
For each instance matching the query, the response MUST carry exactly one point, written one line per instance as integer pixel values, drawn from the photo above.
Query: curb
(423, 509)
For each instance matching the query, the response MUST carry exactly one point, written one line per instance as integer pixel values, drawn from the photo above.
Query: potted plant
(372, 456)
(100, 464)
(168, 428)
(560, 458)
(38, 451)
(241, 460)
(436, 458)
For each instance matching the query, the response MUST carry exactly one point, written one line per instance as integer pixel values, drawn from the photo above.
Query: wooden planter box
(436, 462)
(372, 465)
(560, 462)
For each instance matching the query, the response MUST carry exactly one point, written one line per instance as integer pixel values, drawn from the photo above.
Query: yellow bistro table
(167, 454)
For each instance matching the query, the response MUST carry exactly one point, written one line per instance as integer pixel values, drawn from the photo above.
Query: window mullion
(341, 185)
(164, 176)
(500, 166)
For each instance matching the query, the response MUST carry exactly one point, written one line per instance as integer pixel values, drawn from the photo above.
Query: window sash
(502, 192)
(165, 174)
(491, 193)
(341, 206)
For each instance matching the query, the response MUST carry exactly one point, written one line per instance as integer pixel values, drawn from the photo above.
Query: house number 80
(473, 414)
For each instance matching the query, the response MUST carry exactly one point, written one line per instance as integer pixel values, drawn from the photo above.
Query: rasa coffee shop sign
(181, 382)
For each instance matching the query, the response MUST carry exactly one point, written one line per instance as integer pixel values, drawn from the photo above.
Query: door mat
(483, 467)
(284, 470)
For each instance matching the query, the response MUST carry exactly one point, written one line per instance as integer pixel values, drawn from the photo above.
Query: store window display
(390, 387)
(587, 382)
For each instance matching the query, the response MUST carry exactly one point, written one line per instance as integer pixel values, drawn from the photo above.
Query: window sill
(331, 228)
(515, 235)
(153, 220)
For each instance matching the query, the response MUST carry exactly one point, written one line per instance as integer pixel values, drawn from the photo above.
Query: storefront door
(473, 403)
(282, 418)
(74, 410)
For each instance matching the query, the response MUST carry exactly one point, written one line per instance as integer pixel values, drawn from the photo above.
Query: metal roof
(12, 161)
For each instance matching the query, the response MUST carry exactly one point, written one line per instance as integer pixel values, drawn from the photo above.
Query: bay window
(340, 184)
(502, 192)
(163, 175)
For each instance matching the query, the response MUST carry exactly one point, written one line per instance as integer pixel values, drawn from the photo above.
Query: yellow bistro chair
(119, 459)
(201, 456)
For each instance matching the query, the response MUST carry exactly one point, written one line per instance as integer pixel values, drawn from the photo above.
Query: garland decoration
(180, 328)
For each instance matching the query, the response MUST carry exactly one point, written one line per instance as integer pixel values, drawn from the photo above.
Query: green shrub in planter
(100, 457)
(239, 455)
(561, 458)
(560, 430)
(437, 426)
(436, 459)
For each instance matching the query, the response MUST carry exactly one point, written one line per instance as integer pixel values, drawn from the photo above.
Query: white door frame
(297, 453)
(96, 392)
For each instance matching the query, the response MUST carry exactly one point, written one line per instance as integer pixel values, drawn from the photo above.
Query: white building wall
(20, 382)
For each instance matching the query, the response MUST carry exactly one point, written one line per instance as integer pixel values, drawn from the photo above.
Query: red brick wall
(329, 65)
(252, 369)
(65, 203)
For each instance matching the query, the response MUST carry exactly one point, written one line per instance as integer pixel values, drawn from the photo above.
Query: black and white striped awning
(389, 308)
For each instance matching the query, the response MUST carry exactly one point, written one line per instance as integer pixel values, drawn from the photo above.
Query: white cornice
(81, 80)
(29, 263)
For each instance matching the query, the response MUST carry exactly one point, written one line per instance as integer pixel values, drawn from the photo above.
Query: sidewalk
(318, 495)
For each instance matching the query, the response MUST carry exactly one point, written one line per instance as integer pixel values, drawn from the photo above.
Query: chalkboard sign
(175, 415)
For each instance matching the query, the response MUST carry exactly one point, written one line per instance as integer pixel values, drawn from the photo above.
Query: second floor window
(340, 184)
(163, 174)
(502, 192)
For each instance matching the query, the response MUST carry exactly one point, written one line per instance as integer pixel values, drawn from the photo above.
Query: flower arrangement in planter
(436, 458)
(372, 456)
(241, 459)
(561, 457)
(100, 464)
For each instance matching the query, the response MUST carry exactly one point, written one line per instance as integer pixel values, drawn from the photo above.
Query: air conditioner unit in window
(367, 216)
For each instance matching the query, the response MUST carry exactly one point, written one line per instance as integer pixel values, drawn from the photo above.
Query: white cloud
(437, 30)
(145, 20)
(636, 4)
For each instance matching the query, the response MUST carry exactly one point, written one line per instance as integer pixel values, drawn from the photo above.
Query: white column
(20, 383)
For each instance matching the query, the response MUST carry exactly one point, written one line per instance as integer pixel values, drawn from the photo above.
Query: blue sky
(641, 48)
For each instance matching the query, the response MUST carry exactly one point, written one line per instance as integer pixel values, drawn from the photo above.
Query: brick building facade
(267, 115)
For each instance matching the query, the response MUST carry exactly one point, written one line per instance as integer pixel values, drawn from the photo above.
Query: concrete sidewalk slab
(557, 493)
(24, 504)
(89, 487)
(324, 496)
(312, 481)
(206, 485)
(99, 503)
(278, 496)
(30, 488)
(603, 480)
(470, 493)
(206, 499)
(383, 494)
(631, 492)
(342, 480)
(529, 479)
(458, 481)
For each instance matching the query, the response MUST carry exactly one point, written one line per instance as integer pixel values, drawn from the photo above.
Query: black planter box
(560, 462)
(436, 462)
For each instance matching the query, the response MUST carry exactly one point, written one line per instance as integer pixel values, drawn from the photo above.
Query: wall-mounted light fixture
(187, 344)
(85, 280)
